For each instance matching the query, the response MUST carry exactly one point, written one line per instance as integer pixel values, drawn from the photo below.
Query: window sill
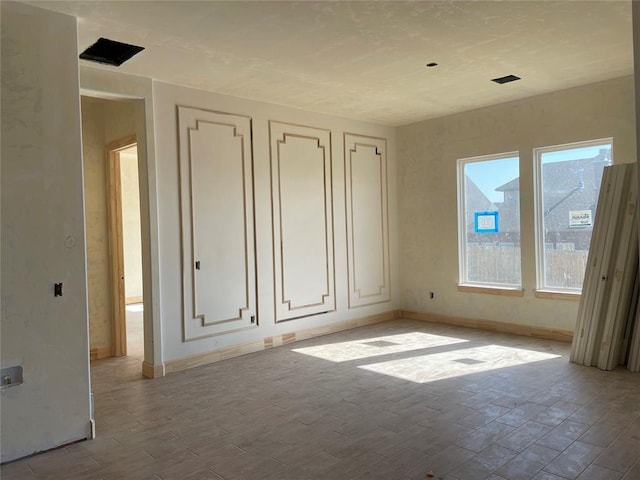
(510, 291)
(557, 295)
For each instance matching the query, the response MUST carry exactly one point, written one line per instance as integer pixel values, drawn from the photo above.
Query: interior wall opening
(132, 250)
(113, 218)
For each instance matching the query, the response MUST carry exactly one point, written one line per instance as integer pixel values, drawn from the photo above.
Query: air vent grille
(110, 52)
(505, 79)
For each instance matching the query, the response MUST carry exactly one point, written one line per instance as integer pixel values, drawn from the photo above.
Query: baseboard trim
(480, 324)
(130, 300)
(153, 371)
(98, 353)
(213, 356)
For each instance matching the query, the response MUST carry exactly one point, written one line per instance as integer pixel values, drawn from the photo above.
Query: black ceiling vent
(506, 79)
(110, 52)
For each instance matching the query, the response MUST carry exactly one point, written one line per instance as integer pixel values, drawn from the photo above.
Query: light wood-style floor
(389, 401)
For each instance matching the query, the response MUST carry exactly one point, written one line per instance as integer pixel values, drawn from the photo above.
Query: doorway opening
(114, 244)
(125, 251)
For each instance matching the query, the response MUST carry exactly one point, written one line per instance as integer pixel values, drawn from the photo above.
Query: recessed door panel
(367, 222)
(217, 219)
(303, 220)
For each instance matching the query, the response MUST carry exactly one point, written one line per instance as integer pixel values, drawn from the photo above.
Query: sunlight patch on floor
(373, 347)
(439, 366)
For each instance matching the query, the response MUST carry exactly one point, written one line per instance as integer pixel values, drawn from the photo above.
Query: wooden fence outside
(501, 264)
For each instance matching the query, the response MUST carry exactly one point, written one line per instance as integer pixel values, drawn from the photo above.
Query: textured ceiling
(366, 60)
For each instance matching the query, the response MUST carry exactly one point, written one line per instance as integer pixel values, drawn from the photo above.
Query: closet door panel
(367, 220)
(303, 221)
(217, 220)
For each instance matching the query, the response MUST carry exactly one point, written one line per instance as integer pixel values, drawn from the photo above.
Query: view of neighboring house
(477, 202)
(571, 188)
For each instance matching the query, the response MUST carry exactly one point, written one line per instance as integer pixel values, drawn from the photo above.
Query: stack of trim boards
(607, 331)
(633, 362)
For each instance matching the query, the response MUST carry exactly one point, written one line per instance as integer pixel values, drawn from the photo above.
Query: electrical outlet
(11, 376)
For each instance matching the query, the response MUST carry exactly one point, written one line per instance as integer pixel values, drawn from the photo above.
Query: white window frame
(539, 210)
(463, 279)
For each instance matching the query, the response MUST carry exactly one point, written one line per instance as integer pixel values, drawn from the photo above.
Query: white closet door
(367, 220)
(219, 282)
(302, 221)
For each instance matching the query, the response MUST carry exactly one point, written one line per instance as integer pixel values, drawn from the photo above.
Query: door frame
(116, 242)
(110, 85)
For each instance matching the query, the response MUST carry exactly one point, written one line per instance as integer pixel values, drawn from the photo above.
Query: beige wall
(99, 291)
(131, 225)
(42, 234)
(166, 98)
(103, 121)
(119, 120)
(427, 154)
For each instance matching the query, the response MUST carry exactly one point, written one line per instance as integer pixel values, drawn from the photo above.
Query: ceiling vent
(110, 52)
(506, 79)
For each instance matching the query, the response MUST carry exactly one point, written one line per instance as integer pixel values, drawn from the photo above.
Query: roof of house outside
(476, 201)
(511, 186)
(569, 186)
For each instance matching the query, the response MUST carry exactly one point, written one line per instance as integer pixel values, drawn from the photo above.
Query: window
(567, 187)
(489, 221)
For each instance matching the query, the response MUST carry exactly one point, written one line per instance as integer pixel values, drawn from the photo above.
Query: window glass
(567, 187)
(489, 220)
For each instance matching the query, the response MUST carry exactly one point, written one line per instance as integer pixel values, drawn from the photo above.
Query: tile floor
(135, 329)
(391, 401)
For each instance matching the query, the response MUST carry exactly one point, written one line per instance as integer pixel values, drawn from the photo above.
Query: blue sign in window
(486, 222)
